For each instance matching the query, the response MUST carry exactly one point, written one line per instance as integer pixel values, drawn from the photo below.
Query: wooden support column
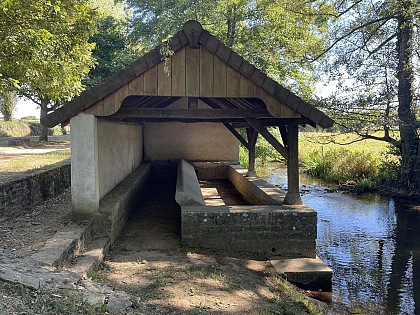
(252, 135)
(193, 102)
(293, 195)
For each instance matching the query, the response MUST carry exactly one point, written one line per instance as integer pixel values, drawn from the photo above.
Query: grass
(336, 158)
(32, 162)
(16, 299)
(310, 141)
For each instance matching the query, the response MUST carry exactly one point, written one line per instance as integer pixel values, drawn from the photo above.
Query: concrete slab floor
(307, 273)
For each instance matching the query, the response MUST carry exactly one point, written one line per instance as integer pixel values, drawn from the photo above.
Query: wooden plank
(246, 87)
(109, 102)
(95, 109)
(219, 77)
(232, 82)
(237, 135)
(189, 113)
(136, 86)
(120, 95)
(206, 73)
(192, 72)
(164, 78)
(151, 81)
(178, 73)
(268, 136)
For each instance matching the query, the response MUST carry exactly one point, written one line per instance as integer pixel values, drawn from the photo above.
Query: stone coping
(301, 209)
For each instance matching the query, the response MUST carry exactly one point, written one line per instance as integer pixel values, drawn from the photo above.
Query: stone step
(306, 273)
(63, 246)
(88, 261)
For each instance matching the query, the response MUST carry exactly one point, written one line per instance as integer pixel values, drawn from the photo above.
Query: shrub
(341, 165)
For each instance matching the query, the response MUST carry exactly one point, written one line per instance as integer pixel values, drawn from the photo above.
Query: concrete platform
(307, 273)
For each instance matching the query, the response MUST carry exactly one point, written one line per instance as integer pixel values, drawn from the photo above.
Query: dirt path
(7, 153)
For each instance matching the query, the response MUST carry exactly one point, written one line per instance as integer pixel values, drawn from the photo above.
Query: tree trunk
(409, 176)
(43, 130)
(7, 116)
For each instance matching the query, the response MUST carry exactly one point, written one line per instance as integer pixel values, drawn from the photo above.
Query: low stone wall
(255, 190)
(115, 206)
(265, 231)
(265, 228)
(30, 189)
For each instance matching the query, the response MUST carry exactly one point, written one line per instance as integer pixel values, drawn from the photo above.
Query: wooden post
(252, 135)
(292, 196)
(193, 102)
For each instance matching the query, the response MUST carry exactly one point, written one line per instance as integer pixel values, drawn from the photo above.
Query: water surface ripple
(371, 242)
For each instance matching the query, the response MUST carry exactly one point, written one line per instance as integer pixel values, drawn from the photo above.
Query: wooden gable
(191, 72)
(201, 67)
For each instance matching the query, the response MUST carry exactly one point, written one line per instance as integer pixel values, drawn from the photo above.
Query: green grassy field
(12, 167)
(310, 141)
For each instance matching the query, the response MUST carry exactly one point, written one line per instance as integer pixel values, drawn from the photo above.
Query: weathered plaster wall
(84, 162)
(120, 152)
(194, 142)
(189, 141)
(103, 153)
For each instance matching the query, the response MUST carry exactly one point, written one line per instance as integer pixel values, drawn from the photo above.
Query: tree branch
(350, 33)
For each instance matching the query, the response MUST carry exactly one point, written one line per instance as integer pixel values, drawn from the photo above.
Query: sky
(26, 108)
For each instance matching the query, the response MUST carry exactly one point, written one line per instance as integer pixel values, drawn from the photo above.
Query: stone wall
(19, 195)
(264, 228)
(265, 231)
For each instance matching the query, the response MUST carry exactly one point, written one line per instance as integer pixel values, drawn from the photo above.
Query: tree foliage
(112, 48)
(279, 37)
(44, 49)
(8, 101)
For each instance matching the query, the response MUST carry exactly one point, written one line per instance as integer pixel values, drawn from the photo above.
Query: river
(371, 242)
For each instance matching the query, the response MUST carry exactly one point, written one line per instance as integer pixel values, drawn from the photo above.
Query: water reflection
(373, 245)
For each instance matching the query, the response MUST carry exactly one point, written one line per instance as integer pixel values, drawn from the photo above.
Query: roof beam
(274, 122)
(268, 136)
(190, 113)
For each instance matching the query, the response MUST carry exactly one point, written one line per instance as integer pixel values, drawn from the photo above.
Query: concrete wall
(84, 162)
(255, 190)
(189, 141)
(120, 152)
(102, 154)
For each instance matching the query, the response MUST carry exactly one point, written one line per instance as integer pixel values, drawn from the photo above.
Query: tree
(8, 101)
(279, 37)
(112, 48)
(374, 45)
(44, 50)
